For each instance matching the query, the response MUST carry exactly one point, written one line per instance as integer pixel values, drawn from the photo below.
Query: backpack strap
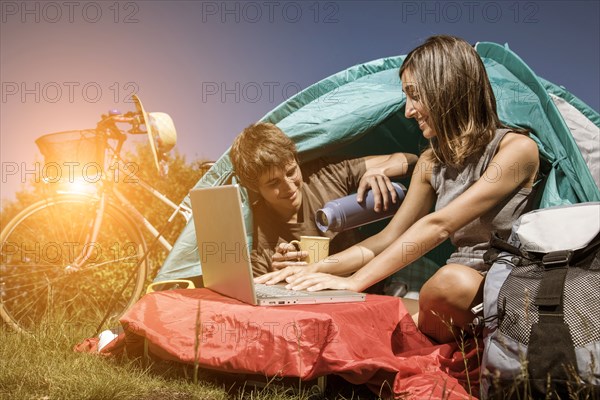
(549, 296)
(498, 245)
(551, 327)
(556, 265)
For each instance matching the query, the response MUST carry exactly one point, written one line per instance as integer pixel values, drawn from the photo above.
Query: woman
(477, 172)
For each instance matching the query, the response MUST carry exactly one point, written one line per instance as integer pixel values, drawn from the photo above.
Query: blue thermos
(346, 213)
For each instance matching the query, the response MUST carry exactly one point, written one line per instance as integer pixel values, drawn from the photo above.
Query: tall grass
(44, 366)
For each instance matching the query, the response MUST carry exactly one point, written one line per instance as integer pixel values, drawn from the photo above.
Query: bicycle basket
(72, 155)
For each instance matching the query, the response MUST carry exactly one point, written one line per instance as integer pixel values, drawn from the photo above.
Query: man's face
(280, 187)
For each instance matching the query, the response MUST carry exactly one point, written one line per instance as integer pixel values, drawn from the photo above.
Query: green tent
(360, 111)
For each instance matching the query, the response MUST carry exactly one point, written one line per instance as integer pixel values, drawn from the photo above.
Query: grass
(43, 366)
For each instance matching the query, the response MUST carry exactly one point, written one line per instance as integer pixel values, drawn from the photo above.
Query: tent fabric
(584, 132)
(305, 341)
(360, 111)
(525, 102)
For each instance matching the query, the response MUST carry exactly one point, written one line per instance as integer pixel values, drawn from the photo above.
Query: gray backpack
(542, 307)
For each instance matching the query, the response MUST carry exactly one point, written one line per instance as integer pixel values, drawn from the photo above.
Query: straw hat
(160, 128)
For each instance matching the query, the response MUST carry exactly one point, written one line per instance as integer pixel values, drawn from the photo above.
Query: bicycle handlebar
(109, 121)
(130, 117)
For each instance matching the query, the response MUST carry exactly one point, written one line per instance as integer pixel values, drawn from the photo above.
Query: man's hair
(455, 90)
(259, 147)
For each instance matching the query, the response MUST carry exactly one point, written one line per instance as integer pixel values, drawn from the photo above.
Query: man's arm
(376, 177)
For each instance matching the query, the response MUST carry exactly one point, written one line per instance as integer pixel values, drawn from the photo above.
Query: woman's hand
(286, 255)
(383, 190)
(275, 277)
(319, 281)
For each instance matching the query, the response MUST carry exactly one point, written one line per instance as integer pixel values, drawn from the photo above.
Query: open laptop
(225, 257)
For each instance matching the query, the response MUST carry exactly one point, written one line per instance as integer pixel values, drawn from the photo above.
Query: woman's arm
(511, 168)
(396, 164)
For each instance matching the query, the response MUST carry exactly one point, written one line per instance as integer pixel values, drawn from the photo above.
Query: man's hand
(286, 255)
(379, 169)
(383, 190)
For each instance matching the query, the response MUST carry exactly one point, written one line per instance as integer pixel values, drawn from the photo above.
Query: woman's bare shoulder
(516, 141)
(425, 165)
(522, 153)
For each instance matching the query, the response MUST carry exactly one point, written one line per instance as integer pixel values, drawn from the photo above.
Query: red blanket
(374, 342)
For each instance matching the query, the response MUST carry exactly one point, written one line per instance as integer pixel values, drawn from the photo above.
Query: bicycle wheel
(41, 280)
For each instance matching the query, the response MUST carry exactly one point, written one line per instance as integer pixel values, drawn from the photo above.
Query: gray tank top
(472, 240)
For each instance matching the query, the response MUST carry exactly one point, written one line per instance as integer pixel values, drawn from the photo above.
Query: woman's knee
(450, 282)
(450, 294)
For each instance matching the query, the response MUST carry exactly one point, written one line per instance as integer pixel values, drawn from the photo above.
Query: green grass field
(43, 366)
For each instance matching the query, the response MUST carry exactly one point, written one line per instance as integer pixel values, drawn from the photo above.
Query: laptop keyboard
(266, 291)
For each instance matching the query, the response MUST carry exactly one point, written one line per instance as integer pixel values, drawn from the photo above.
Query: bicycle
(80, 255)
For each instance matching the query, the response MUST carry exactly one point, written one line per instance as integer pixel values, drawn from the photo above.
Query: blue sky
(218, 66)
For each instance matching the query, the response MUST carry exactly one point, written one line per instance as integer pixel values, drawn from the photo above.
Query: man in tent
(266, 162)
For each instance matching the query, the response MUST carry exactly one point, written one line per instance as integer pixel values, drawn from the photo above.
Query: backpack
(541, 307)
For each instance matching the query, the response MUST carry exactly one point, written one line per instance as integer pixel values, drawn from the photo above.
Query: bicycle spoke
(30, 284)
(33, 233)
(28, 305)
(28, 273)
(31, 301)
(79, 270)
(52, 282)
(84, 228)
(51, 222)
(45, 239)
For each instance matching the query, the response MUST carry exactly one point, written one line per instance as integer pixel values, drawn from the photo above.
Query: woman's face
(414, 108)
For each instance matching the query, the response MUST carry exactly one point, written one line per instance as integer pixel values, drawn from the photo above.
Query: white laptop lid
(221, 235)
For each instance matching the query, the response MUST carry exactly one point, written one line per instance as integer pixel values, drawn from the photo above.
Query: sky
(217, 66)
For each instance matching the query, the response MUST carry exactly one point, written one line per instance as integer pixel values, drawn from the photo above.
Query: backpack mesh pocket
(581, 301)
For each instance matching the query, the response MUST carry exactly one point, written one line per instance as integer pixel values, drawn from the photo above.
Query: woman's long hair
(455, 90)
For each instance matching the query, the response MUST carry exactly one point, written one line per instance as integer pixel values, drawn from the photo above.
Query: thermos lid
(323, 218)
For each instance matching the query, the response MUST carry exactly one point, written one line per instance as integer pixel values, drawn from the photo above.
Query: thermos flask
(346, 213)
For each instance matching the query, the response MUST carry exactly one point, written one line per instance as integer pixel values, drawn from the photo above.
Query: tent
(360, 111)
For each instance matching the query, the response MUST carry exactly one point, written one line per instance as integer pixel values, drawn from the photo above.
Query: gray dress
(471, 241)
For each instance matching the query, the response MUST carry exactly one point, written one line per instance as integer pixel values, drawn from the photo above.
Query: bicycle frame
(180, 209)
(108, 190)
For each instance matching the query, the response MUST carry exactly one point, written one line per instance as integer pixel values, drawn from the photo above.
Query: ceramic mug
(316, 246)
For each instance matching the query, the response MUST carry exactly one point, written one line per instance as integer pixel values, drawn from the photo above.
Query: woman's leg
(446, 300)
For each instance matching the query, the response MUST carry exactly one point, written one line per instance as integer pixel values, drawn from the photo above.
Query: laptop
(225, 256)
